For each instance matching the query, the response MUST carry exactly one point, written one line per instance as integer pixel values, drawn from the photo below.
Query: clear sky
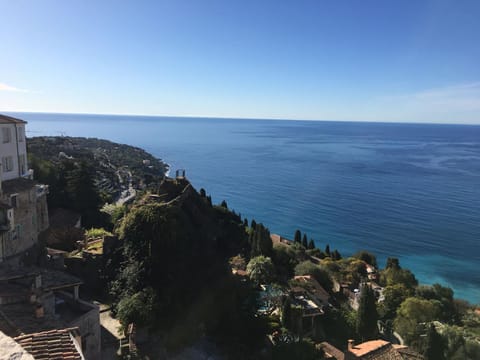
(412, 60)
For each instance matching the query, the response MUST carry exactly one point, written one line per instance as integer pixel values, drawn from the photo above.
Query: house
(53, 344)
(316, 291)
(371, 350)
(13, 148)
(37, 300)
(23, 202)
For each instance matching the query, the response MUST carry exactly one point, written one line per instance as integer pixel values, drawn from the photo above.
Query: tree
(253, 225)
(224, 204)
(394, 274)
(366, 256)
(311, 244)
(411, 313)
(321, 275)
(138, 308)
(394, 295)
(83, 195)
(285, 260)
(367, 315)
(392, 263)
(298, 236)
(203, 193)
(444, 295)
(286, 313)
(260, 269)
(434, 348)
(305, 241)
(260, 241)
(336, 255)
(327, 250)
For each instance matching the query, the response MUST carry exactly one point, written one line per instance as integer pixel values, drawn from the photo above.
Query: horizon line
(241, 118)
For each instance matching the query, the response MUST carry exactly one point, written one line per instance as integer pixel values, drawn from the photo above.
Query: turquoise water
(405, 190)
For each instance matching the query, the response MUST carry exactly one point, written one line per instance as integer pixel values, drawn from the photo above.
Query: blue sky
(415, 61)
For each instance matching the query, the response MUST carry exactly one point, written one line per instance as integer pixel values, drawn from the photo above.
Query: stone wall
(30, 215)
(88, 325)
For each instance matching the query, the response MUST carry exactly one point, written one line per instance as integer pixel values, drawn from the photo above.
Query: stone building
(23, 202)
(37, 304)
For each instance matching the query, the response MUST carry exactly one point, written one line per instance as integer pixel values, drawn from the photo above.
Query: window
(13, 201)
(7, 162)
(20, 134)
(7, 134)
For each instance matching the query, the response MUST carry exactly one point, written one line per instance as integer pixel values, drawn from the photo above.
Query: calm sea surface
(405, 190)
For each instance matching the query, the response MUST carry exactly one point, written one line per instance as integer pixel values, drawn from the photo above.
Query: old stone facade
(23, 202)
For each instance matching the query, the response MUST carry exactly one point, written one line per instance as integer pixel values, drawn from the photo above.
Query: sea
(405, 190)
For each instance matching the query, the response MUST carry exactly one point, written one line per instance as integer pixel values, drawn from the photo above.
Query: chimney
(351, 344)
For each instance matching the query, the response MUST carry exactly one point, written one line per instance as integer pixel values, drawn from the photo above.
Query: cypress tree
(434, 345)
(367, 315)
(305, 241)
(298, 236)
(286, 313)
(327, 250)
(311, 244)
(253, 225)
(224, 204)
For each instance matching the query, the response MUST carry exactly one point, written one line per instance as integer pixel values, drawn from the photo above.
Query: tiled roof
(317, 290)
(381, 350)
(4, 119)
(53, 344)
(331, 352)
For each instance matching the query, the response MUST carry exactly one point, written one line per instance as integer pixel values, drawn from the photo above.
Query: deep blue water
(405, 190)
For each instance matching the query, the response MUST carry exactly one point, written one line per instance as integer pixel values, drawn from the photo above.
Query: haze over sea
(406, 190)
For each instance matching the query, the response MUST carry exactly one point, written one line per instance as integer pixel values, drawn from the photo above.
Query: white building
(23, 202)
(13, 148)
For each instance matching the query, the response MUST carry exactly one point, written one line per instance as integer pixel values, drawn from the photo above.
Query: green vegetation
(367, 315)
(171, 254)
(260, 269)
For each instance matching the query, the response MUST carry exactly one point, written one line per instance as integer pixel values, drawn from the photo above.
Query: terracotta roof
(331, 352)
(4, 119)
(53, 344)
(370, 347)
(381, 350)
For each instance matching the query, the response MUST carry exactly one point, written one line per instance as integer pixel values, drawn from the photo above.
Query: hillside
(117, 167)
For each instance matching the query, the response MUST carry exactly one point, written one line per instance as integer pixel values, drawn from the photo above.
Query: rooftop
(331, 352)
(314, 287)
(51, 279)
(381, 350)
(17, 185)
(53, 344)
(4, 119)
